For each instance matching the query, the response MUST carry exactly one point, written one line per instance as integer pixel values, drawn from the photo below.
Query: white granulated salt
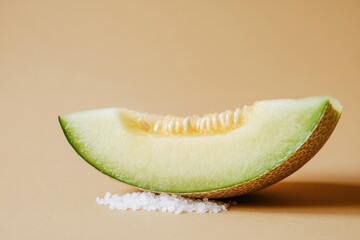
(162, 202)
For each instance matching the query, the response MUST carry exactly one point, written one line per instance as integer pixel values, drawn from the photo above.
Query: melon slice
(215, 155)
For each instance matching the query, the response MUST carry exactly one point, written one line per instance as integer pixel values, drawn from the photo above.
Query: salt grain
(162, 202)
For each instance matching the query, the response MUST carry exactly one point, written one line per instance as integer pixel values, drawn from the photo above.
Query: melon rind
(299, 158)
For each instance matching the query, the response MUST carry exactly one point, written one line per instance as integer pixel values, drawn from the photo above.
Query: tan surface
(179, 58)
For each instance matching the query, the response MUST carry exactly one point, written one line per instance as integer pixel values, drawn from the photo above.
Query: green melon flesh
(110, 141)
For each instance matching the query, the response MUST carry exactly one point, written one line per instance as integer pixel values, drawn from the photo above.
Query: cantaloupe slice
(216, 155)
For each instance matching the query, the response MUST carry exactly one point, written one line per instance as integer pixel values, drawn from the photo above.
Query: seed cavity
(208, 124)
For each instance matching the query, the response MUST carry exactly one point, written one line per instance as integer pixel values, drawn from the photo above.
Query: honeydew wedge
(215, 155)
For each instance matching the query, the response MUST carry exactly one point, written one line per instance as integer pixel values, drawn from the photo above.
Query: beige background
(178, 57)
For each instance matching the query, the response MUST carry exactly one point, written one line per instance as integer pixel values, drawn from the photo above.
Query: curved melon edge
(316, 139)
(75, 146)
